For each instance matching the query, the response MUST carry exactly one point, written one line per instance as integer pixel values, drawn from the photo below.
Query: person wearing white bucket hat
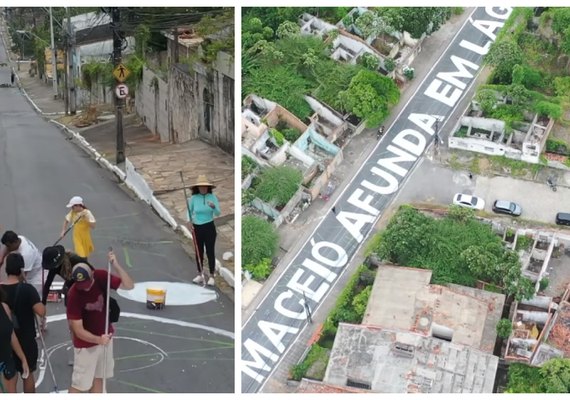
(203, 206)
(83, 221)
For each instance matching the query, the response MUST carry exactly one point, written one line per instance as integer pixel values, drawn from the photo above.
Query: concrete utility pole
(53, 56)
(176, 48)
(117, 58)
(71, 72)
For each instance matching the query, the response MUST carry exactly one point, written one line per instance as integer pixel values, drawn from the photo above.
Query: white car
(468, 201)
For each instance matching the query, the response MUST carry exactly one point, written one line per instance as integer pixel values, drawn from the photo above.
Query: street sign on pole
(122, 91)
(121, 73)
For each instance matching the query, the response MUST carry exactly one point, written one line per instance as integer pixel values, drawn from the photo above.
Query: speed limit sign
(122, 91)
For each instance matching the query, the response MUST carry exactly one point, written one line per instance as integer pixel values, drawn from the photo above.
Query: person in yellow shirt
(83, 221)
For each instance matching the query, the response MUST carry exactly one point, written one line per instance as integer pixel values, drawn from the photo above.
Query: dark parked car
(563, 218)
(507, 207)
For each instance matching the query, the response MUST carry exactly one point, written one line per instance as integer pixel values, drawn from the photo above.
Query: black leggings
(206, 237)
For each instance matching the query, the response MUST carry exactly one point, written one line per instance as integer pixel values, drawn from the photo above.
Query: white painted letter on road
(256, 351)
(276, 332)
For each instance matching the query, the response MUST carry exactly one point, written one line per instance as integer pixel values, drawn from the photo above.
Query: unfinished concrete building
(403, 298)
(392, 361)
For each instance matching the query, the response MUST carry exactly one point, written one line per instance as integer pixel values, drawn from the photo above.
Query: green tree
(369, 61)
(416, 20)
(288, 29)
(277, 185)
(389, 64)
(504, 328)
(479, 262)
(254, 31)
(369, 96)
(259, 240)
(370, 24)
(504, 55)
(555, 376)
(487, 99)
(518, 93)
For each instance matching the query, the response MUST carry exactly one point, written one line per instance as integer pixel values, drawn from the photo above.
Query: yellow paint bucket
(155, 298)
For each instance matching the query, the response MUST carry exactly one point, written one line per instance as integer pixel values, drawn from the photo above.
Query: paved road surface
(186, 348)
(280, 317)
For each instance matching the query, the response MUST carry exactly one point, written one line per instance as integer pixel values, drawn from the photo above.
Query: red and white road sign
(122, 91)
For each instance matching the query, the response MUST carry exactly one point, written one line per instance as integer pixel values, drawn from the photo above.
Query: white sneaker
(211, 281)
(199, 279)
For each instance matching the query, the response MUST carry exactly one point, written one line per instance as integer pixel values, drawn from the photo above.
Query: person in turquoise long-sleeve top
(203, 206)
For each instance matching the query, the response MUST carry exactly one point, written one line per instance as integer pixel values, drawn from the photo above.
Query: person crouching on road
(83, 221)
(86, 313)
(24, 301)
(59, 262)
(14, 243)
(9, 345)
(203, 206)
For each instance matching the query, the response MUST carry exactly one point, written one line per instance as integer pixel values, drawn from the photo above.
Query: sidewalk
(158, 163)
(294, 235)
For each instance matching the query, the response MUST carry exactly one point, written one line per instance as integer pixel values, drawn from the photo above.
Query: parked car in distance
(469, 201)
(507, 207)
(563, 218)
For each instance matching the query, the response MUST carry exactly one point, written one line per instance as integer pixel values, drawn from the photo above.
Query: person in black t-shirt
(24, 301)
(8, 344)
(59, 262)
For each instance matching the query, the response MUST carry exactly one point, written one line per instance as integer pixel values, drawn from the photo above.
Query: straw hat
(202, 181)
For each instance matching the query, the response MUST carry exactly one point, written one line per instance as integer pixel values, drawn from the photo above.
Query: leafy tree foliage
(369, 61)
(252, 31)
(259, 241)
(278, 184)
(458, 249)
(371, 24)
(416, 20)
(552, 377)
(369, 96)
(562, 86)
(504, 328)
(288, 29)
(550, 109)
(504, 55)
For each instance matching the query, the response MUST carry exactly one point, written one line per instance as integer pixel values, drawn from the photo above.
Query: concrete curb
(161, 210)
(164, 214)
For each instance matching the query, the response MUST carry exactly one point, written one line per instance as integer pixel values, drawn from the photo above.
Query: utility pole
(175, 34)
(53, 56)
(71, 72)
(117, 58)
(65, 77)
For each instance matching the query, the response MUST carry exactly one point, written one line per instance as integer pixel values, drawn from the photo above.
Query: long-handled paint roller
(193, 233)
(48, 362)
(107, 311)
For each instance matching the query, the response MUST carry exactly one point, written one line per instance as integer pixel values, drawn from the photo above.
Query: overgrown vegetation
(504, 328)
(248, 165)
(552, 377)
(277, 185)
(458, 249)
(259, 243)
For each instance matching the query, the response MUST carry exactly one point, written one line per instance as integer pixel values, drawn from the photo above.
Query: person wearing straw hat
(87, 315)
(203, 206)
(83, 221)
(24, 301)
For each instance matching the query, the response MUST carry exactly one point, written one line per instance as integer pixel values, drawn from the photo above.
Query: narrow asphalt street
(279, 320)
(183, 348)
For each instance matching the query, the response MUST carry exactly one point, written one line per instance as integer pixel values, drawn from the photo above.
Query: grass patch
(454, 162)
(474, 167)
(316, 353)
(516, 168)
(524, 243)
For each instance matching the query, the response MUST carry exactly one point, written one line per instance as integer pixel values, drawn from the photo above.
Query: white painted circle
(122, 91)
(424, 321)
(177, 294)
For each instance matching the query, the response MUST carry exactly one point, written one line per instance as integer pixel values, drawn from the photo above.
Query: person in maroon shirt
(86, 313)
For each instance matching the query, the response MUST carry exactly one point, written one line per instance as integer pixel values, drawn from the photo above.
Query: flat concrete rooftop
(390, 361)
(403, 299)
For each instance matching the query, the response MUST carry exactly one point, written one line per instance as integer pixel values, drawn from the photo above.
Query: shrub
(504, 328)
(247, 166)
(259, 240)
(291, 134)
(543, 284)
(457, 10)
(315, 353)
(409, 73)
(389, 64)
(554, 145)
(261, 270)
(551, 110)
(369, 61)
(277, 185)
(562, 86)
(278, 136)
(524, 242)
